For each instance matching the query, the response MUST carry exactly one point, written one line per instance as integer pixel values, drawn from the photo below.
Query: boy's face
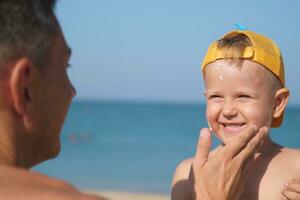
(238, 93)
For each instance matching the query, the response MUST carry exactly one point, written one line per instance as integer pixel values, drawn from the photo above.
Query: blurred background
(136, 68)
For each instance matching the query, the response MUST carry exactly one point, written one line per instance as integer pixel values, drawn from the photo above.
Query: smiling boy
(244, 84)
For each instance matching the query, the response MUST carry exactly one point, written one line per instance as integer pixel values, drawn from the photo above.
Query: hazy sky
(151, 50)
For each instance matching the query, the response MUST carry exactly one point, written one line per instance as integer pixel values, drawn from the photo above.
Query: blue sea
(136, 146)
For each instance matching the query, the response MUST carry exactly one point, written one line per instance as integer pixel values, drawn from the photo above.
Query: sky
(151, 50)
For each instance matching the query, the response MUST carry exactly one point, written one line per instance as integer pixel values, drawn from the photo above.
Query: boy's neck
(268, 147)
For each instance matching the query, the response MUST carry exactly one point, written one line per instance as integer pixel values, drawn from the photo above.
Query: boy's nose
(229, 110)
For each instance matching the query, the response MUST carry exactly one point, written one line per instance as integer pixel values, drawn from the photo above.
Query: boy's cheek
(212, 121)
(211, 113)
(213, 110)
(258, 115)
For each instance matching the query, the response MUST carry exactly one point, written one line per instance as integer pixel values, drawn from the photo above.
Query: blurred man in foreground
(35, 95)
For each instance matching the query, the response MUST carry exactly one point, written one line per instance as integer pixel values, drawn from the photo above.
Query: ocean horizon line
(153, 102)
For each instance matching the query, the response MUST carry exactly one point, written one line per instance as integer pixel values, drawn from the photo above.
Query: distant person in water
(79, 137)
(244, 81)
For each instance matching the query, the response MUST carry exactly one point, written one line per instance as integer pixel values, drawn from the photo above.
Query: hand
(221, 175)
(291, 190)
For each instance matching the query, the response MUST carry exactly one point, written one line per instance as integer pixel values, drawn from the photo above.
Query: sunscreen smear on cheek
(221, 77)
(207, 119)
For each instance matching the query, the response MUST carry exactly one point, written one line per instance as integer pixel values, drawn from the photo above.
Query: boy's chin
(226, 139)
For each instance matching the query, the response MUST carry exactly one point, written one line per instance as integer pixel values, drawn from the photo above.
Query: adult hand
(221, 174)
(291, 190)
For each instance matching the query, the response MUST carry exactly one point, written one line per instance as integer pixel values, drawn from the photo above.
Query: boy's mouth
(232, 127)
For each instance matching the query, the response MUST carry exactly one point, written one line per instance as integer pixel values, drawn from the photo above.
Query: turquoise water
(136, 146)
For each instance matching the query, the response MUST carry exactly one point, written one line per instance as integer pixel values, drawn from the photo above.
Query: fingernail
(285, 185)
(291, 181)
(205, 133)
(266, 129)
(255, 127)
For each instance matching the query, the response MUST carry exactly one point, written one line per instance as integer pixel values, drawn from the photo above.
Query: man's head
(28, 27)
(244, 79)
(35, 90)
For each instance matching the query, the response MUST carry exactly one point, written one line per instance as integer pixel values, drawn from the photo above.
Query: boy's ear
(281, 100)
(19, 86)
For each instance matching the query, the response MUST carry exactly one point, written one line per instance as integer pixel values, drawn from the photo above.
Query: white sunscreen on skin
(221, 77)
(209, 126)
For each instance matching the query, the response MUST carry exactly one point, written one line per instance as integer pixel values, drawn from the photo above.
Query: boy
(244, 80)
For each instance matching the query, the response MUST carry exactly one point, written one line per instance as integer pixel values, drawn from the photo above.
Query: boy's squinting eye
(244, 96)
(214, 96)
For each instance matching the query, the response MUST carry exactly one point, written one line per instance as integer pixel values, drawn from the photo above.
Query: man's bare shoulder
(21, 184)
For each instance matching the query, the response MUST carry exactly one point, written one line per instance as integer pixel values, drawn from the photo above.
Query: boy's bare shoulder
(182, 170)
(21, 184)
(289, 160)
(292, 156)
(180, 186)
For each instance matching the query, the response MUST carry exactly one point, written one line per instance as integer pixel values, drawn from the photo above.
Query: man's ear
(281, 100)
(19, 86)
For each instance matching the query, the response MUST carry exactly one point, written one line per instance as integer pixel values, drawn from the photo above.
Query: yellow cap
(263, 51)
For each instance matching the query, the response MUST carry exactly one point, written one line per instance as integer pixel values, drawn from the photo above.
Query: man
(34, 98)
(35, 94)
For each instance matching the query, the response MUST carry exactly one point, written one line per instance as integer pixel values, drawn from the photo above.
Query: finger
(283, 197)
(293, 185)
(246, 163)
(203, 147)
(216, 150)
(253, 145)
(240, 141)
(290, 194)
(296, 181)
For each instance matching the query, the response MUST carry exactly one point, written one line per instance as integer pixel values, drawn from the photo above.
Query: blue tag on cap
(240, 27)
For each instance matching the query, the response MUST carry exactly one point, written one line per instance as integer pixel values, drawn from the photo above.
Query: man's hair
(27, 28)
(235, 45)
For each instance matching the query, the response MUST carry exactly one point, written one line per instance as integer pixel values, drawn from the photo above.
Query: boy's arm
(181, 190)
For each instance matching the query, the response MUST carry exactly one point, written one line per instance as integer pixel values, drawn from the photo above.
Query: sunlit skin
(238, 94)
(34, 100)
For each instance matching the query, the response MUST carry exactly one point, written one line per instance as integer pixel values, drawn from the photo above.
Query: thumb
(203, 147)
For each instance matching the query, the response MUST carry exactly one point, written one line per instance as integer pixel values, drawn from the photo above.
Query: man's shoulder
(19, 184)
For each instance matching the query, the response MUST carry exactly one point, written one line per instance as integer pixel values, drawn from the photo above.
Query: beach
(124, 195)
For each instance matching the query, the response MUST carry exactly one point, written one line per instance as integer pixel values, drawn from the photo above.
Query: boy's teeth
(232, 126)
